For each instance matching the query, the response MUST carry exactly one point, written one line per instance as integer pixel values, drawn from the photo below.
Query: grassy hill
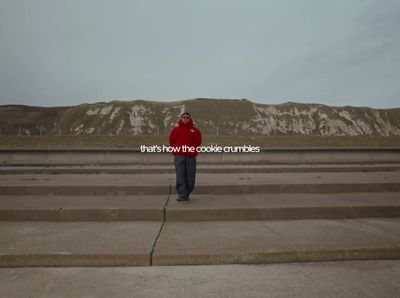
(214, 117)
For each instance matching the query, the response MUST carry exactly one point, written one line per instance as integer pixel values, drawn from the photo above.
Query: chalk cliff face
(212, 116)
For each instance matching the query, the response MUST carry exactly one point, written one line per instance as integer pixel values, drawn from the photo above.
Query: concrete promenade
(255, 226)
(351, 279)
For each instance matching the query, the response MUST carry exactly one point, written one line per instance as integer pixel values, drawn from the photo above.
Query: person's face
(185, 119)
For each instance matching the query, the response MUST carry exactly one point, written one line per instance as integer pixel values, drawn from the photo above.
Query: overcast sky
(67, 52)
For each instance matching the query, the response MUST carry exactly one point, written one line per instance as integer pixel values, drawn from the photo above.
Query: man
(185, 161)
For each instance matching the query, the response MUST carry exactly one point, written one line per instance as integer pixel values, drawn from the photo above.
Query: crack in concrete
(162, 225)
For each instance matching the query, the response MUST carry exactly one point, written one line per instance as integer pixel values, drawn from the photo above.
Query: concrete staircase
(103, 215)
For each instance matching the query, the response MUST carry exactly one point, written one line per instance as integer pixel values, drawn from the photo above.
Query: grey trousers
(185, 167)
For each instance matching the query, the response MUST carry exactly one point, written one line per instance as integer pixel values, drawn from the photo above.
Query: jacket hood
(189, 125)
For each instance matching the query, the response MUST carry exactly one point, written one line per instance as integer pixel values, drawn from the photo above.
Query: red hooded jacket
(185, 135)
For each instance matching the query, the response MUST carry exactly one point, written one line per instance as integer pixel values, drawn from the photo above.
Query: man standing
(185, 160)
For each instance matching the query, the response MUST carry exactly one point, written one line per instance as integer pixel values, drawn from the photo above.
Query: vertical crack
(162, 225)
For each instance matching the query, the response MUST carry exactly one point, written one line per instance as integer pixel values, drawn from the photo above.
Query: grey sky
(58, 52)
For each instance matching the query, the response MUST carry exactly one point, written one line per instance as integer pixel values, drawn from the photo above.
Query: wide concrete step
(275, 206)
(258, 242)
(77, 243)
(86, 184)
(143, 169)
(258, 206)
(83, 208)
(355, 279)
(265, 156)
(228, 183)
(296, 182)
(194, 243)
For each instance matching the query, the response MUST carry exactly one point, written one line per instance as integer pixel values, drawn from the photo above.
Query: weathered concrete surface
(77, 243)
(83, 179)
(229, 183)
(297, 178)
(353, 279)
(269, 206)
(268, 156)
(201, 208)
(83, 208)
(248, 242)
(201, 168)
(142, 196)
(232, 183)
(86, 184)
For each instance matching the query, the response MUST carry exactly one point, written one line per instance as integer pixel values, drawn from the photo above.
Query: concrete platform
(229, 183)
(77, 243)
(201, 168)
(82, 208)
(267, 206)
(353, 279)
(257, 242)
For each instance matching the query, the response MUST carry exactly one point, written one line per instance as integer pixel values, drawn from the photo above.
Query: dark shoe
(179, 199)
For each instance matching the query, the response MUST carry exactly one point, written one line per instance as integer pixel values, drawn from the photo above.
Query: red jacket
(185, 135)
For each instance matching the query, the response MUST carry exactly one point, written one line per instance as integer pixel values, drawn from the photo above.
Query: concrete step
(275, 206)
(265, 156)
(83, 208)
(296, 182)
(229, 183)
(141, 169)
(260, 242)
(86, 184)
(55, 244)
(28, 244)
(258, 206)
(355, 279)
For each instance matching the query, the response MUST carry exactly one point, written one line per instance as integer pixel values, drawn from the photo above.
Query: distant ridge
(212, 116)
